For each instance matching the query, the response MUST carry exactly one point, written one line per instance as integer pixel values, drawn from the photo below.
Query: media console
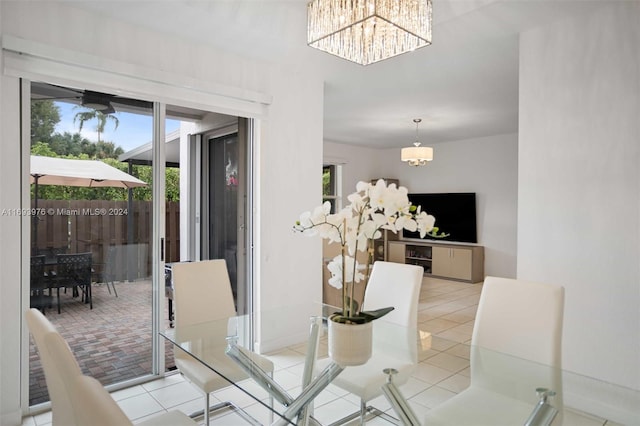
(451, 261)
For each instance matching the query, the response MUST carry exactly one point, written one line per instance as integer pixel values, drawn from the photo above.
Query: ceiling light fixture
(417, 155)
(368, 31)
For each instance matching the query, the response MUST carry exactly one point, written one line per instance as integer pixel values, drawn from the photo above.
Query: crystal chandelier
(417, 155)
(368, 31)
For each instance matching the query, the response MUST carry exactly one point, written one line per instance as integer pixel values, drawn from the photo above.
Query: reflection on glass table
(224, 346)
(536, 393)
(509, 390)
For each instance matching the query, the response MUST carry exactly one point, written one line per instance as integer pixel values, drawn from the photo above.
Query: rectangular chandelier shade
(368, 31)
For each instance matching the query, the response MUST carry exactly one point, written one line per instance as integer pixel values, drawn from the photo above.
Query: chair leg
(113, 284)
(363, 411)
(206, 409)
(58, 299)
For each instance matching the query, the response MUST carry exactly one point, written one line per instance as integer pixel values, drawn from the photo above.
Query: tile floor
(447, 309)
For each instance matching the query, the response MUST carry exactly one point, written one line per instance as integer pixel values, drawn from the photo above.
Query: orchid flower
(372, 209)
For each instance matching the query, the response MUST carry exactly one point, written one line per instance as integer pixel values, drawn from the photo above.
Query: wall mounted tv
(455, 214)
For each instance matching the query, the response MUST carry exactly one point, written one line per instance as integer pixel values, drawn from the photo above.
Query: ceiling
(464, 85)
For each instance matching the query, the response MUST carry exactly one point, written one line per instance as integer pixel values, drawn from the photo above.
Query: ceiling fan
(103, 102)
(98, 101)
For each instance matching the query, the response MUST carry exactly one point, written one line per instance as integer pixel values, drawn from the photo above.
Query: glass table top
(224, 346)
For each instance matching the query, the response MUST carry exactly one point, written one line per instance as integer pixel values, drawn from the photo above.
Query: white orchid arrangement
(373, 209)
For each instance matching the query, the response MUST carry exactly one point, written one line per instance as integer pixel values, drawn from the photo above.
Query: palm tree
(102, 118)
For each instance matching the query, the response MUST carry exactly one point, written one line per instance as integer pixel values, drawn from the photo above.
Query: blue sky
(133, 129)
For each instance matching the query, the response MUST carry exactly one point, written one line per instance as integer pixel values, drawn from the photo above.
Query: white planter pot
(350, 344)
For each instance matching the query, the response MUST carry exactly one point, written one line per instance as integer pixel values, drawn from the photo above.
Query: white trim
(25, 237)
(158, 244)
(608, 401)
(36, 61)
(40, 62)
(329, 160)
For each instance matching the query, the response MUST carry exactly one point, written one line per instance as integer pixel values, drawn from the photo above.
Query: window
(331, 188)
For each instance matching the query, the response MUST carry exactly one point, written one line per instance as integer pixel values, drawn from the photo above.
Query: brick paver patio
(112, 341)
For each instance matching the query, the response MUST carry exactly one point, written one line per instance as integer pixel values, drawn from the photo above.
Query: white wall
(579, 182)
(487, 166)
(289, 157)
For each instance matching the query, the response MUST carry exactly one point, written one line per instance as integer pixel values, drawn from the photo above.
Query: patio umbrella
(86, 173)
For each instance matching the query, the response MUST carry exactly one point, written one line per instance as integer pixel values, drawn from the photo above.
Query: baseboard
(604, 400)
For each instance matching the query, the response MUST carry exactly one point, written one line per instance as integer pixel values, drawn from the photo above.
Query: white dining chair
(515, 348)
(97, 407)
(61, 371)
(390, 284)
(202, 293)
(94, 406)
(61, 411)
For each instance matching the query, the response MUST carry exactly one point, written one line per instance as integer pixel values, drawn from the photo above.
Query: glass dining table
(537, 388)
(213, 343)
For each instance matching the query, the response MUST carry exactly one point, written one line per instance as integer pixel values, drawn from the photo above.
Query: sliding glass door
(93, 230)
(225, 204)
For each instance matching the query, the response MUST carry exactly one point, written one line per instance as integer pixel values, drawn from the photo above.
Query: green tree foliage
(101, 119)
(43, 149)
(44, 117)
(326, 181)
(71, 144)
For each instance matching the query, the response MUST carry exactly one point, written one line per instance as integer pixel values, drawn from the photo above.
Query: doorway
(121, 242)
(225, 204)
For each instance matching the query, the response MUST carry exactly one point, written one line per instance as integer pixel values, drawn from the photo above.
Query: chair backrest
(110, 261)
(518, 322)
(202, 292)
(397, 285)
(93, 405)
(51, 252)
(520, 318)
(58, 362)
(74, 267)
(36, 276)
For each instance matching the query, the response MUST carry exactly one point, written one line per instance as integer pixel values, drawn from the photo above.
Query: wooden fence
(78, 226)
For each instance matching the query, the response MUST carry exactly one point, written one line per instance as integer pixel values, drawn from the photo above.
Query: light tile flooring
(447, 309)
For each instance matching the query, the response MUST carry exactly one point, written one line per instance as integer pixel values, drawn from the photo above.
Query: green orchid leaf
(378, 313)
(361, 318)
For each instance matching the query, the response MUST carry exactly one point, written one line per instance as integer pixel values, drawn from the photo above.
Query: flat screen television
(455, 215)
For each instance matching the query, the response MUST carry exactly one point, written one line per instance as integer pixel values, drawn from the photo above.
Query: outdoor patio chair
(39, 283)
(74, 271)
(106, 271)
(50, 253)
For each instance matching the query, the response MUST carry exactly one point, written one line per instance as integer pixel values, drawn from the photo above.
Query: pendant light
(417, 155)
